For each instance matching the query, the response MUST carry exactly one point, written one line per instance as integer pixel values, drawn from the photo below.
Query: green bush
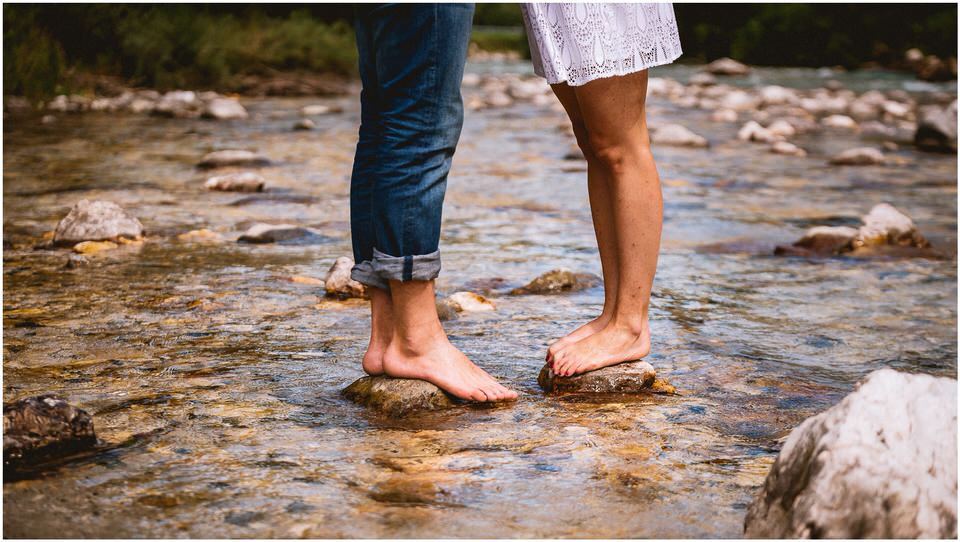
(33, 61)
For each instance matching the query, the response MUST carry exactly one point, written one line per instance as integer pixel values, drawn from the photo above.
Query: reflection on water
(220, 377)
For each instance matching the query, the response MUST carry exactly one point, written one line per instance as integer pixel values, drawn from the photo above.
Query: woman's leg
(614, 115)
(601, 208)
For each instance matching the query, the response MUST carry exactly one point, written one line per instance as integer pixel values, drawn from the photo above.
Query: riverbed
(214, 379)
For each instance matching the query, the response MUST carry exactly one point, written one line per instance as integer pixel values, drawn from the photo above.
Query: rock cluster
(881, 464)
(884, 225)
(176, 103)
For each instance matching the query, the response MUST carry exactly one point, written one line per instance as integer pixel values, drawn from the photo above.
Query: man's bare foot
(612, 345)
(578, 334)
(381, 330)
(439, 362)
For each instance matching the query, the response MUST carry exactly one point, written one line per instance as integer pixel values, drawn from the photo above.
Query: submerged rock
(96, 220)
(860, 156)
(787, 148)
(881, 464)
(89, 248)
(233, 158)
(676, 135)
(304, 124)
(338, 283)
(446, 310)
(470, 302)
(558, 280)
(224, 109)
(246, 181)
(727, 66)
(754, 131)
(398, 396)
(202, 235)
(937, 129)
(43, 427)
(273, 233)
(821, 240)
(630, 377)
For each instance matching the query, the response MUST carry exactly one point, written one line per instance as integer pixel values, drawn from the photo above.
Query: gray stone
(273, 233)
(727, 66)
(224, 109)
(398, 397)
(880, 464)
(675, 135)
(556, 281)
(338, 283)
(304, 124)
(860, 156)
(43, 427)
(245, 181)
(96, 220)
(630, 377)
(232, 158)
(937, 129)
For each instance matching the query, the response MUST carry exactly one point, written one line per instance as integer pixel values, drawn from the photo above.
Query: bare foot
(381, 331)
(373, 358)
(439, 362)
(612, 345)
(578, 334)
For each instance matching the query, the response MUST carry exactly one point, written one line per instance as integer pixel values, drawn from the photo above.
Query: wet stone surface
(630, 377)
(398, 396)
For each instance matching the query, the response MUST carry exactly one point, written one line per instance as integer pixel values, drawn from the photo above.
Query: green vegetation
(47, 47)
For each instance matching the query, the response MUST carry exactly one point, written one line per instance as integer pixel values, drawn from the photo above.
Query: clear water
(215, 380)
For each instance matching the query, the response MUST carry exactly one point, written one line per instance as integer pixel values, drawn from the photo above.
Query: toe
(478, 395)
(491, 393)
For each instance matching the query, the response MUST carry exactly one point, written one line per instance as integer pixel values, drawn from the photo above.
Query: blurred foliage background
(49, 47)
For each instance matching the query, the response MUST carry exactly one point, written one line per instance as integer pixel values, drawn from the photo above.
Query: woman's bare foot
(439, 362)
(578, 334)
(381, 330)
(613, 344)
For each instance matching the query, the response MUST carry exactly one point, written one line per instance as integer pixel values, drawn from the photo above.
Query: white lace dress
(577, 43)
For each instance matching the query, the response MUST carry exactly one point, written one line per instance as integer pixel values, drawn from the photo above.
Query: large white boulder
(880, 464)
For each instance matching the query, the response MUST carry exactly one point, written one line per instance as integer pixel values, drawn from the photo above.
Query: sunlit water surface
(214, 381)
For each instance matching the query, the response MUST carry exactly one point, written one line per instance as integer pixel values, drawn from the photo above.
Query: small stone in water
(96, 220)
(338, 282)
(89, 248)
(297, 279)
(232, 158)
(224, 109)
(246, 181)
(200, 236)
(787, 148)
(398, 396)
(861, 156)
(273, 233)
(727, 66)
(319, 109)
(630, 377)
(675, 135)
(42, 426)
(304, 124)
(76, 260)
(558, 280)
(471, 302)
(887, 225)
(446, 310)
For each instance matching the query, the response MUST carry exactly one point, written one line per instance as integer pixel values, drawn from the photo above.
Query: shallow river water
(214, 380)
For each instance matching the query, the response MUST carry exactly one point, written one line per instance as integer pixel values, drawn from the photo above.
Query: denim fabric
(411, 67)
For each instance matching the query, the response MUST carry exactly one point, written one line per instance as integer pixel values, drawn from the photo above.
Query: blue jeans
(411, 67)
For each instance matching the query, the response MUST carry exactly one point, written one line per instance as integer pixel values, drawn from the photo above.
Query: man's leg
(420, 51)
(362, 187)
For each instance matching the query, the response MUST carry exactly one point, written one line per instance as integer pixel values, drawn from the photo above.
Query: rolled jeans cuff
(364, 274)
(405, 268)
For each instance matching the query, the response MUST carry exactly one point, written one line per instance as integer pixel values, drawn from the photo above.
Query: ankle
(635, 324)
(410, 342)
